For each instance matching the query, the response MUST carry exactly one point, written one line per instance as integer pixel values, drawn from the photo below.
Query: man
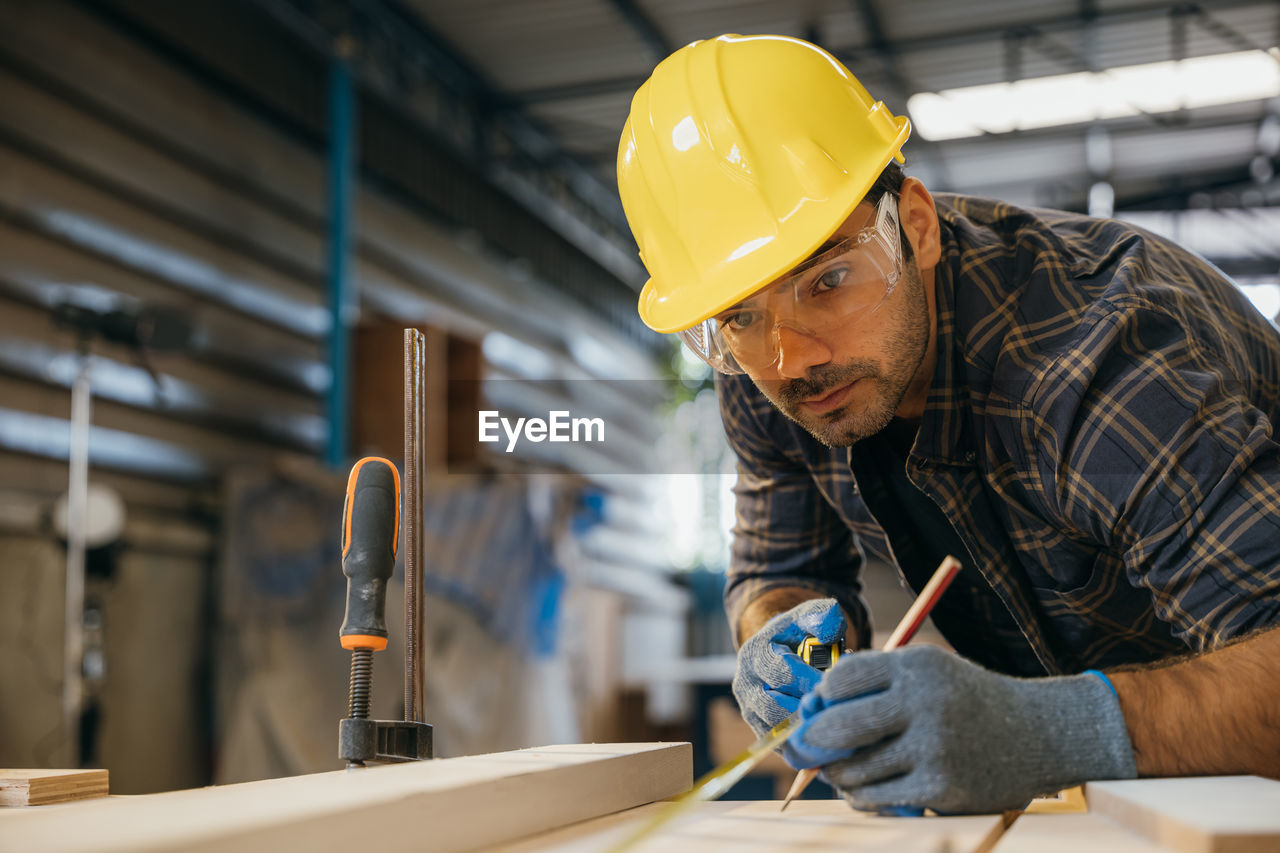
(1078, 410)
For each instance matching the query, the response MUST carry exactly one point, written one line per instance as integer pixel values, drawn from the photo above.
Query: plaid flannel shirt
(1098, 432)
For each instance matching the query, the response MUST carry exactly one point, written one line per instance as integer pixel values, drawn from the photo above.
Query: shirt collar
(942, 437)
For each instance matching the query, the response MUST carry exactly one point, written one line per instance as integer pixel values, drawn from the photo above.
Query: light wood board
(1072, 833)
(42, 787)
(1068, 801)
(444, 805)
(1216, 814)
(806, 825)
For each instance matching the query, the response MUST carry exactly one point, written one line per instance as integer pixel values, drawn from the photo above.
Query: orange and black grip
(370, 528)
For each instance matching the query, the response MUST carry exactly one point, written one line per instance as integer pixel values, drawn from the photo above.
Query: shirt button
(970, 457)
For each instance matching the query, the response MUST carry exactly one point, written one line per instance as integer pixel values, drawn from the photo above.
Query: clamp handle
(370, 530)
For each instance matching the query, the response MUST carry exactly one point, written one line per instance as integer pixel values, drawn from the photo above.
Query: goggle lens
(847, 283)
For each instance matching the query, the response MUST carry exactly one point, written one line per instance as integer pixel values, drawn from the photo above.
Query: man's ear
(919, 220)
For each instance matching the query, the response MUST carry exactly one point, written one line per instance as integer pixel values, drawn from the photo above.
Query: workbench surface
(588, 797)
(759, 826)
(1229, 814)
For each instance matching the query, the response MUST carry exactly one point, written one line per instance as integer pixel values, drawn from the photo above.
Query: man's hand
(923, 727)
(771, 677)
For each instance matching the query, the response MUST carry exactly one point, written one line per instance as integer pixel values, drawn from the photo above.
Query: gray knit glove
(926, 728)
(771, 677)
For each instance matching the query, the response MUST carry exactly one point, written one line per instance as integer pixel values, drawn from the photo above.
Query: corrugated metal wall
(123, 174)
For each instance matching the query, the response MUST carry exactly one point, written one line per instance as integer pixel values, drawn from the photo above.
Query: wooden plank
(43, 787)
(762, 827)
(1064, 802)
(1218, 814)
(444, 805)
(1072, 833)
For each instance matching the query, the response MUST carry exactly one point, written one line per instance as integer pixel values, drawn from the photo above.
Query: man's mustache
(824, 379)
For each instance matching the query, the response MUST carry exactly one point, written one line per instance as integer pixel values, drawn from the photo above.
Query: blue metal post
(343, 299)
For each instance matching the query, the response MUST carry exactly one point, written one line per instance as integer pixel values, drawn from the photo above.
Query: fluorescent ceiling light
(1157, 87)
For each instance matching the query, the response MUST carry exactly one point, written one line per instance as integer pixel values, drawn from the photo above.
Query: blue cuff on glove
(801, 754)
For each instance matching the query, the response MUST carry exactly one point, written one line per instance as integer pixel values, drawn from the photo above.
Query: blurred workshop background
(217, 217)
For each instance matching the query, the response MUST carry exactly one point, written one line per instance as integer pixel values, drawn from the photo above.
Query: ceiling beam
(1251, 115)
(1247, 267)
(586, 89)
(912, 44)
(1178, 190)
(900, 87)
(398, 52)
(1119, 129)
(1074, 20)
(643, 25)
(880, 45)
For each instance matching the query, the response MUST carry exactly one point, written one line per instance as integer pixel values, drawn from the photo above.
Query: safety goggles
(844, 285)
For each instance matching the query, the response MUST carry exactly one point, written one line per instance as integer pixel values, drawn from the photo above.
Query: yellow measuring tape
(717, 782)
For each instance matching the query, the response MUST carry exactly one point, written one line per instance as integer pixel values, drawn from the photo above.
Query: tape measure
(821, 656)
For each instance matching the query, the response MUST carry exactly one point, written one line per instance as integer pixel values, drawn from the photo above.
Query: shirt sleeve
(1146, 441)
(785, 532)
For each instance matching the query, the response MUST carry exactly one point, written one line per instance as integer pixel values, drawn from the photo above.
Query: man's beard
(906, 341)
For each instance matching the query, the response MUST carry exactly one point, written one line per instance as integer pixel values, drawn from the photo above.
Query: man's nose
(798, 351)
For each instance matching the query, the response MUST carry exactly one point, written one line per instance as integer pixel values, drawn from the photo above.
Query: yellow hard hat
(741, 156)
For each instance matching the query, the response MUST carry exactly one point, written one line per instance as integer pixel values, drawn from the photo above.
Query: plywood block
(1216, 814)
(1065, 801)
(1072, 833)
(41, 787)
(444, 805)
(761, 827)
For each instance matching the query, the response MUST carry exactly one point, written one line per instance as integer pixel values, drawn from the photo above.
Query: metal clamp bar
(415, 344)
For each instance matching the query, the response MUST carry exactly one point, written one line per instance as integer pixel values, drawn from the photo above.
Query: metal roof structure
(570, 67)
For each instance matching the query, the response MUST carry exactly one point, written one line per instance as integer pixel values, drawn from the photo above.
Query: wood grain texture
(43, 787)
(1216, 814)
(1072, 833)
(444, 805)
(808, 825)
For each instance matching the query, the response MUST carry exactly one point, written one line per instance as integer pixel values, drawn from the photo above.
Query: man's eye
(739, 321)
(829, 280)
